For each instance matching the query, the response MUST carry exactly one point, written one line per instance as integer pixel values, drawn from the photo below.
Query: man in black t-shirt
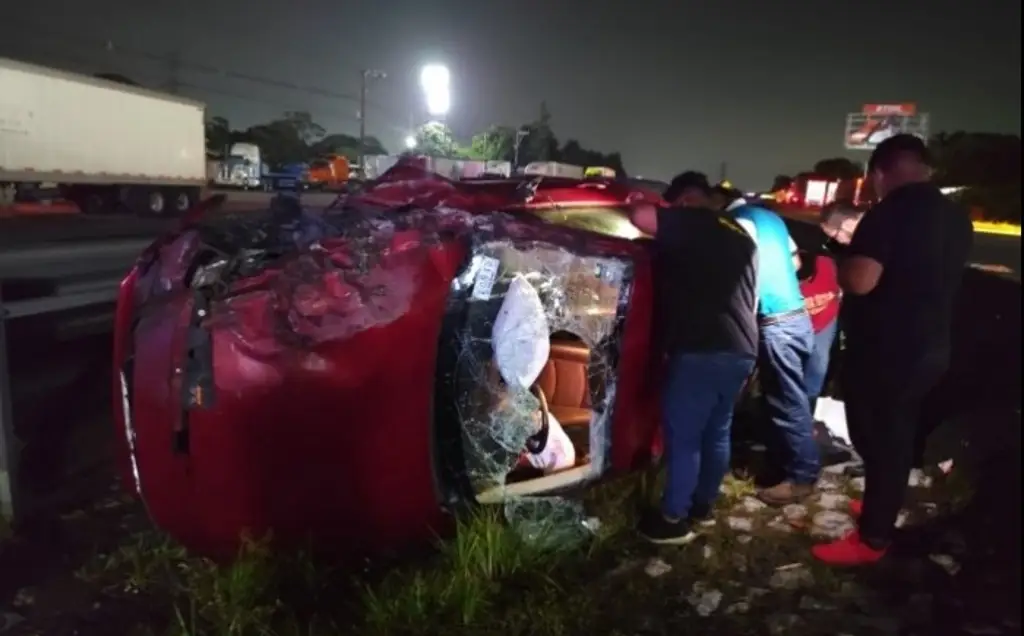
(705, 277)
(901, 273)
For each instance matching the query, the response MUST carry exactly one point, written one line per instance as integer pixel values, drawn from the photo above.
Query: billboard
(877, 122)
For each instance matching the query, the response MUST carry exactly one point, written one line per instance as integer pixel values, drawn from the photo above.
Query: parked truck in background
(330, 172)
(553, 169)
(243, 167)
(107, 146)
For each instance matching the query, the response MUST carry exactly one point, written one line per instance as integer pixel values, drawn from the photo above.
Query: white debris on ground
(794, 512)
(740, 524)
(919, 479)
(705, 600)
(833, 501)
(750, 505)
(798, 597)
(791, 577)
(830, 524)
(657, 567)
(946, 562)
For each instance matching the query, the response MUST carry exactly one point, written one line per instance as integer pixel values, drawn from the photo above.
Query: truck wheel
(146, 202)
(157, 203)
(182, 199)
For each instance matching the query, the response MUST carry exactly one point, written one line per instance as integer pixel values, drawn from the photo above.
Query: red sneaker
(848, 551)
(856, 508)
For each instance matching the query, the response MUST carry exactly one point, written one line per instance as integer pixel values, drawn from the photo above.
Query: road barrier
(41, 280)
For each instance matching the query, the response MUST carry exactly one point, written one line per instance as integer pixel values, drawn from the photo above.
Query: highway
(27, 231)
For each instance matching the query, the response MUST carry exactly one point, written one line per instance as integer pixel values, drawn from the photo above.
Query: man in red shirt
(821, 297)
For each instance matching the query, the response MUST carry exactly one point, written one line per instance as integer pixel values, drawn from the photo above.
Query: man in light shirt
(786, 344)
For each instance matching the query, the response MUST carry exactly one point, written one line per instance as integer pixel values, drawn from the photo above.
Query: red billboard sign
(905, 110)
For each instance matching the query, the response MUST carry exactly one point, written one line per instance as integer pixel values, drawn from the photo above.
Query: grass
(489, 579)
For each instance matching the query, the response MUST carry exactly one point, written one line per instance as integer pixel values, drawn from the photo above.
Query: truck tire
(182, 199)
(157, 203)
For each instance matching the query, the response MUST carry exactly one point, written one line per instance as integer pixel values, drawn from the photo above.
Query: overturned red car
(352, 375)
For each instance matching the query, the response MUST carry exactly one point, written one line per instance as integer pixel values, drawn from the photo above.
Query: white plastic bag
(833, 413)
(558, 453)
(520, 335)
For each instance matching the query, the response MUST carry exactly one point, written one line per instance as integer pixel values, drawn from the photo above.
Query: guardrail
(72, 276)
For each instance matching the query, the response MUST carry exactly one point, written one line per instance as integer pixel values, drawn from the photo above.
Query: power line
(180, 64)
(155, 77)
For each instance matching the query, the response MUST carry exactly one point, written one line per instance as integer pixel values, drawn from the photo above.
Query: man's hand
(859, 274)
(645, 217)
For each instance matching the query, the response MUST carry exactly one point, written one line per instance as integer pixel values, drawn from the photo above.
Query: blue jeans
(817, 364)
(697, 405)
(785, 351)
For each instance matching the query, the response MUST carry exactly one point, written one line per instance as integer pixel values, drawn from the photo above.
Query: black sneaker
(701, 515)
(657, 529)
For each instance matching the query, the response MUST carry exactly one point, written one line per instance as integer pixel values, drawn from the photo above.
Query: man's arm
(794, 252)
(869, 251)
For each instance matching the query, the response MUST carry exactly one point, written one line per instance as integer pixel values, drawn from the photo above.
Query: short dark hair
(687, 181)
(890, 151)
(727, 193)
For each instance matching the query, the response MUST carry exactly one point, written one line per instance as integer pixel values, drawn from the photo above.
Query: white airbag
(520, 336)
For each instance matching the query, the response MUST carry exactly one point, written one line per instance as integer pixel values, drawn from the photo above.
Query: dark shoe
(701, 515)
(785, 493)
(856, 470)
(655, 528)
(832, 454)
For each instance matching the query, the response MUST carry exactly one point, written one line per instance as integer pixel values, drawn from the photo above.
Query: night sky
(761, 85)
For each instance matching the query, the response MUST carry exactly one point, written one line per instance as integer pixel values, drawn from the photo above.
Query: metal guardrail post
(9, 447)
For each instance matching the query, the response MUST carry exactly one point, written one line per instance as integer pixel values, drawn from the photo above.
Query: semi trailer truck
(105, 146)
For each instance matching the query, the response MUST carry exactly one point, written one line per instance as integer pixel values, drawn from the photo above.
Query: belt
(774, 319)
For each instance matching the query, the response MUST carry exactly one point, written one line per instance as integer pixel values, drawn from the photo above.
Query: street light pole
(520, 135)
(365, 76)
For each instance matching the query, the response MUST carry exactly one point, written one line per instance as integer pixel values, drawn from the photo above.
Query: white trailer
(553, 169)
(108, 146)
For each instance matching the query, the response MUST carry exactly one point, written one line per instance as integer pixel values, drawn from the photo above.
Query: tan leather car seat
(565, 384)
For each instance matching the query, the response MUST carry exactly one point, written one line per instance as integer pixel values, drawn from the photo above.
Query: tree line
(296, 138)
(292, 138)
(524, 144)
(987, 165)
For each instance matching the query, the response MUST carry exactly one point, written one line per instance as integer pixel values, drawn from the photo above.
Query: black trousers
(883, 410)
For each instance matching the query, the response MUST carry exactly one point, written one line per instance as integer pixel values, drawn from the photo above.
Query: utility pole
(364, 79)
(521, 134)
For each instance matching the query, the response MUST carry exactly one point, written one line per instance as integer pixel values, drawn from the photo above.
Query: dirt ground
(100, 569)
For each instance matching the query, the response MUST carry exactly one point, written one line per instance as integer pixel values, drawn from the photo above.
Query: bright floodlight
(438, 103)
(435, 80)
(410, 142)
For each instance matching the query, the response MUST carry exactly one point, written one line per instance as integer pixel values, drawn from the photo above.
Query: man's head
(689, 189)
(722, 196)
(899, 160)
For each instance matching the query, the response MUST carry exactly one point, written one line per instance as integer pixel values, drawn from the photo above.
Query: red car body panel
(321, 419)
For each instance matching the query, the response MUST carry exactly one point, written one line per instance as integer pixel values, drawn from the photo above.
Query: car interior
(564, 389)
